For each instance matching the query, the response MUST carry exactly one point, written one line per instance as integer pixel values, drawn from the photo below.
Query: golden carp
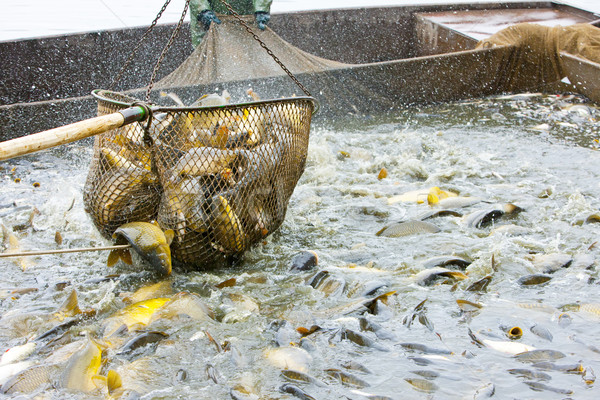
(148, 240)
(203, 161)
(228, 231)
(121, 196)
(514, 333)
(436, 194)
(81, 368)
(119, 161)
(133, 316)
(184, 303)
(12, 245)
(159, 289)
(468, 306)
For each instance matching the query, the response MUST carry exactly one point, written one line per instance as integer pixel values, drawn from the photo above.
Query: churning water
(363, 323)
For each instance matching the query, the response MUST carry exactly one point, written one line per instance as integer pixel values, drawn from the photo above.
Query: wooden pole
(60, 251)
(69, 133)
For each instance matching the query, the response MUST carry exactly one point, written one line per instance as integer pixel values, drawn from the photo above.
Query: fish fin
(383, 297)
(380, 231)
(432, 199)
(113, 381)
(475, 339)
(113, 257)
(69, 307)
(169, 235)
(125, 255)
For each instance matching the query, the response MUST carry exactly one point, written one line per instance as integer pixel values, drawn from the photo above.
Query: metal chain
(264, 46)
(165, 49)
(134, 51)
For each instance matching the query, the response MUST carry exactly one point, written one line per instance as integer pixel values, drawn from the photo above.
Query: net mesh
(219, 177)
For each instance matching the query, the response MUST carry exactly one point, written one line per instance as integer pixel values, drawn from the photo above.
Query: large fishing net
(220, 175)
(536, 59)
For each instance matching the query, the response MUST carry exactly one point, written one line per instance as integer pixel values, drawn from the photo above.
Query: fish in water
(433, 275)
(538, 387)
(148, 240)
(450, 262)
(133, 316)
(142, 340)
(535, 279)
(539, 356)
(82, 367)
(422, 385)
(295, 391)
(406, 228)
(304, 261)
(30, 379)
(480, 285)
(508, 347)
(486, 217)
(439, 213)
(549, 263)
(159, 289)
(530, 374)
(17, 353)
(457, 202)
(292, 358)
(346, 378)
(541, 331)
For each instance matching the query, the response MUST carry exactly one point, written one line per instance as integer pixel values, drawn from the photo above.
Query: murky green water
(537, 152)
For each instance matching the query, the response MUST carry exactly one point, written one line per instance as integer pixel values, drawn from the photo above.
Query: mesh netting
(219, 177)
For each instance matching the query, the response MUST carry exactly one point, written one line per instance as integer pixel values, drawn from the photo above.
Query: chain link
(264, 46)
(165, 49)
(134, 51)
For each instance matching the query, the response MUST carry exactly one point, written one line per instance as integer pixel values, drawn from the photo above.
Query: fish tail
(120, 254)
(113, 381)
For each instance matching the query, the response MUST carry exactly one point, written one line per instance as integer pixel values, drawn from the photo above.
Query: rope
(79, 250)
(134, 51)
(264, 46)
(166, 48)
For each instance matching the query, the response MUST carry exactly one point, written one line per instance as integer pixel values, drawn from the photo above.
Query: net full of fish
(219, 175)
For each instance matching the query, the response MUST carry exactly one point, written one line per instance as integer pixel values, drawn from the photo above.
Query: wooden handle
(69, 133)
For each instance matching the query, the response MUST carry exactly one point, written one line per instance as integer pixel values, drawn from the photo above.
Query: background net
(219, 177)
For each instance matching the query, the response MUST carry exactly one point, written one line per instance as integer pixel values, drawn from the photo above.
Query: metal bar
(60, 251)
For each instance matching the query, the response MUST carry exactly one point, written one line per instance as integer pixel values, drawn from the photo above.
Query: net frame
(219, 176)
